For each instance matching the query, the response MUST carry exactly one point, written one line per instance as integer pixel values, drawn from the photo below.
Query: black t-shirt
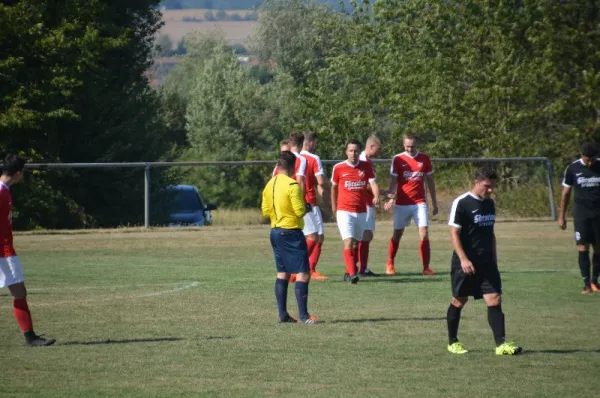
(475, 217)
(585, 181)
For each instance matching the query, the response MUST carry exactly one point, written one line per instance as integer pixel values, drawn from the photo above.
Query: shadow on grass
(125, 341)
(567, 351)
(384, 319)
(399, 280)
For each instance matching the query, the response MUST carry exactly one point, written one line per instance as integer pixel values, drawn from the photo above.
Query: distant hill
(222, 4)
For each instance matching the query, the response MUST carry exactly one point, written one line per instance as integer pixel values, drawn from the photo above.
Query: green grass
(130, 323)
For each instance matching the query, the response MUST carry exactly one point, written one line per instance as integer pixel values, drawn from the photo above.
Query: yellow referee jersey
(283, 203)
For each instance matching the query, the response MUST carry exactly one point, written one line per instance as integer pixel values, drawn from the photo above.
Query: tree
(164, 46)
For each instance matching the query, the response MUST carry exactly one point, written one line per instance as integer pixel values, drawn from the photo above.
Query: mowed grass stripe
(383, 337)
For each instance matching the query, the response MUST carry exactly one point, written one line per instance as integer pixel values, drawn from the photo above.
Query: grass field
(189, 313)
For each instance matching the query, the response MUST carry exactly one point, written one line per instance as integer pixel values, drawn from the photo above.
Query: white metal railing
(148, 165)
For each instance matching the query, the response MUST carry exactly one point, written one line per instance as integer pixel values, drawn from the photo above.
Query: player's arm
(297, 199)
(431, 187)
(465, 263)
(390, 194)
(565, 196)
(334, 196)
(265, 206)
(375, 189)
(494, 250)
(321, 185)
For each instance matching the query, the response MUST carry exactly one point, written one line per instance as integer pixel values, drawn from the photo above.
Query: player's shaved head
(310, 136)
(296, 139)
(373, 140)
(410, 136)
(286, 161)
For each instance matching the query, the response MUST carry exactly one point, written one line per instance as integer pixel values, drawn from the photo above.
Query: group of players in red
(355, 195)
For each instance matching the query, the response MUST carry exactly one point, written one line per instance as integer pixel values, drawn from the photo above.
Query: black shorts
(290, 250)
(486, 280)
(587, 231)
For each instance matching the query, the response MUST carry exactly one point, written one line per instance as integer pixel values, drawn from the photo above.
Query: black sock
(453, 319)
(595, 267)
(30, 335)
(496, 321)
(302, 299)
(281, 289)
(584, 267)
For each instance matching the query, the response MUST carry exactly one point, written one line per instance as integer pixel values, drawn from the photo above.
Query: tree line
(472, 78)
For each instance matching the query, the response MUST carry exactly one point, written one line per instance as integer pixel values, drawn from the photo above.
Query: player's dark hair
(310, 136)
(286, 161)
(12, 164)
(354, 141)
(486, 173)
(297, 139)
(589, 149)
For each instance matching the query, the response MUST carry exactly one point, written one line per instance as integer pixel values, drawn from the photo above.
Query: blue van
(185, 206)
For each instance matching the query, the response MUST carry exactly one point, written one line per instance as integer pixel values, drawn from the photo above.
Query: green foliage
(72, 89)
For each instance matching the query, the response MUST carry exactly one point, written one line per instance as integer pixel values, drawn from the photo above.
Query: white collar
(352, 165)
(4, 185)
(410, 156)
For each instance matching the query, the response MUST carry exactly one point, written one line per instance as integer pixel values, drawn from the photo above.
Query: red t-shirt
(6, 236)
(314, 168)
(410, 173)
(299, 169)
(363, 158)
(352, 181)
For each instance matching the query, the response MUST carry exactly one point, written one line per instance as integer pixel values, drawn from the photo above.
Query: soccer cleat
(508, 348)
(586, 290)
(39, 341)
(317, 276)
(594, 287)
(429, 271)
(368, 272)
(311, 320)
(288, 319)
(389, 268)
(351, 278)
(457, 348)
(292, 278)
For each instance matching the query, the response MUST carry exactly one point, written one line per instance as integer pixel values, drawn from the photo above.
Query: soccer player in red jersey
(11, 271)
(349, 197)
(372, 150)
(315, 185)
(410, 170)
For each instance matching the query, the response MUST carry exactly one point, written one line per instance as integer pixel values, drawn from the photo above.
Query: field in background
(236, 32)
(175, 312)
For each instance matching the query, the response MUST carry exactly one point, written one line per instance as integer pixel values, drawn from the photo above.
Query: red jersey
(352, 181)
(299, 169)
(363, 158)
(410, 173)
(6, 236)
(314, 168)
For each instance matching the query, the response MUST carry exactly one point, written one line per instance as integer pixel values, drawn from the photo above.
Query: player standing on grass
(409, 171)
(11, 272)
(372, 150)
(315, 185)
(475, 263)
(283, 204)
(349, 181)
(583, 176)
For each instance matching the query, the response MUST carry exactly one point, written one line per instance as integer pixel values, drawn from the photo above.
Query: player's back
(6, 237)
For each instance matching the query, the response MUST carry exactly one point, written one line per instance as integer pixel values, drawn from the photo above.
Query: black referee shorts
(290, 250)
(587, 231)
(486, 280)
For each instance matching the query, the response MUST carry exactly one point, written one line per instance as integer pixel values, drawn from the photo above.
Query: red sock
(312, 245)
(363, 255)
(393, 249)
(350, 262)
(22, 314)
(313, 259)
(425, 253)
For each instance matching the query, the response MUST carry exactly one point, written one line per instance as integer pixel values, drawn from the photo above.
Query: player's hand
(562, 223)
(467, 267)
(388, 205)
(435, 209)
(376, 202)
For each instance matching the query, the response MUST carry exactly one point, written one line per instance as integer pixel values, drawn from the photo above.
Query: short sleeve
(568, 178)
(428, 167)
(455, 219)
(394, 167)
(319, 171)
(335, 175)
(370, 171)
(301, 168)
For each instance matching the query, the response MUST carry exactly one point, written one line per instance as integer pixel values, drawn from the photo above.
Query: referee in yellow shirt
(283, 203)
